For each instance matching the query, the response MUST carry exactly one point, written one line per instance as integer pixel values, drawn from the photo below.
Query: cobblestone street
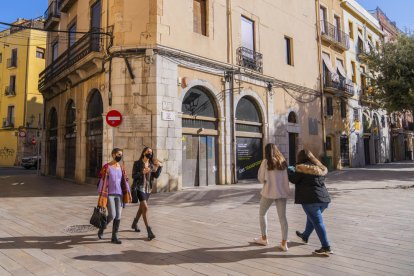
(208, 231)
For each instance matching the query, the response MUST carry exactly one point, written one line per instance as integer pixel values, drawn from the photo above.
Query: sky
(400, 11)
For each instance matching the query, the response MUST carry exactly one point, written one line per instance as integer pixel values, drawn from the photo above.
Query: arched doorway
(199, 142)
(94, 131)
(293, 138)
(249, 139)
(70, 140)
(52, 141)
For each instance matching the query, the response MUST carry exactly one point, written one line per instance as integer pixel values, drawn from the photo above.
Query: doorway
(199, 160)
(366, 151)
(52, 145)
(344, 148)
(293, 148)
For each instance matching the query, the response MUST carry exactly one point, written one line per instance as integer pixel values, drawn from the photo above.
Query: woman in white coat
(273, 175)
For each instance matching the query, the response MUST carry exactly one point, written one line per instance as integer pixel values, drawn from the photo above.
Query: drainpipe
(233, 130)
(229, 34)
(318, 31)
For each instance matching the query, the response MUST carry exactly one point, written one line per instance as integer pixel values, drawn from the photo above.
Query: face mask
(118, 158)
(148, 155)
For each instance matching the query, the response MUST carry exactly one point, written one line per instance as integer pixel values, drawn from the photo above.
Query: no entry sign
(114, 118)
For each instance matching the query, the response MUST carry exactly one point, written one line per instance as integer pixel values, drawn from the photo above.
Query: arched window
(94, 132)
(248, 117)
(292, 118)
(199, 110)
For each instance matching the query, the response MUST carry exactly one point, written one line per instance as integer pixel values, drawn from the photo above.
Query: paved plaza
(207, 231)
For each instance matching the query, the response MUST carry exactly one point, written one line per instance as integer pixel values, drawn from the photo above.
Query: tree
(394, 78)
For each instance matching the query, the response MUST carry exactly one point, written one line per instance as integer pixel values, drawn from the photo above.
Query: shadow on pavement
(228, 254)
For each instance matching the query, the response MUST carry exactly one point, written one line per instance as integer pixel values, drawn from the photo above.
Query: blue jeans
(314, 220)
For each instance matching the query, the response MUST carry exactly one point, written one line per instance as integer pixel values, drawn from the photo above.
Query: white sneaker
(284, 247)
(260, 241)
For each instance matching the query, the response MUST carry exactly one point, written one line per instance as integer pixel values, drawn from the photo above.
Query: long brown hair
(306, 156)
(275, 159)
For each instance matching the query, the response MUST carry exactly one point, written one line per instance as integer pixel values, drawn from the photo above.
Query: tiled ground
(207, 231)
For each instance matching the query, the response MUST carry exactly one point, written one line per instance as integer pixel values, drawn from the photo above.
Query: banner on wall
(249, 155)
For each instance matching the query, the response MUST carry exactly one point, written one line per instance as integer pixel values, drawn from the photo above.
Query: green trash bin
(327, 161)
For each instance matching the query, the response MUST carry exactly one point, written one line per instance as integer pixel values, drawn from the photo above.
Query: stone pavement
(207, 231)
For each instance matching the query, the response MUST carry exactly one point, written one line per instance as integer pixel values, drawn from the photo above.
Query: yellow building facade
(22, 58)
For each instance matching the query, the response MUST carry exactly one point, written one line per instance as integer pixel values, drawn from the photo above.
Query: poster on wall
(249, 155)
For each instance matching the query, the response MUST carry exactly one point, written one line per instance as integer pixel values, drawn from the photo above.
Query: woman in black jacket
(145, 170)
(309, 177)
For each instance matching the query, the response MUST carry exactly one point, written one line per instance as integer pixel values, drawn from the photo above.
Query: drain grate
(79, 228)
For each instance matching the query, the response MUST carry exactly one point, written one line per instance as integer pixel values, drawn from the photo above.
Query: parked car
(30, 161)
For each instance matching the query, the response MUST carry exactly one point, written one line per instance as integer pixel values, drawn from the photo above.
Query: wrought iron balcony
(8, 122)
(12, 63)
(250, 59)
(333, 35)
(52, 14)
(91, 42)
(366, 98)
(338, 84)
(10, 91)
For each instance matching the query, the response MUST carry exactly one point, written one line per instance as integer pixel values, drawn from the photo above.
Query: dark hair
(306, 156)
(116, 150)
(143, 154)
(275, 159)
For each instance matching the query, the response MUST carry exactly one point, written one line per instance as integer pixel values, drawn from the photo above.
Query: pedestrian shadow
(54, 242)
(228, 254)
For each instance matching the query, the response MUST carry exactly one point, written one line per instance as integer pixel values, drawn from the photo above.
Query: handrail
(250, 59)
(334, 33)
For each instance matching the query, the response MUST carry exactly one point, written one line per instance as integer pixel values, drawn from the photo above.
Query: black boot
(135, 225)
(150, 234)
(100, 232)
(115, 229)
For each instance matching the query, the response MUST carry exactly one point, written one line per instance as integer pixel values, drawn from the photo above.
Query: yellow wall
(28, 101)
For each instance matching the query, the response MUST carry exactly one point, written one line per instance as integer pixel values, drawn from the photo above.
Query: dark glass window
(55, 51)
(343, 109)
(72, 34)
(247, 111)
(70, 119)
(53, 123)
(40, 53)
(328, 143)
(288, 50)
(292, 118)
(329, 106)
(95, 110)
(198, 103)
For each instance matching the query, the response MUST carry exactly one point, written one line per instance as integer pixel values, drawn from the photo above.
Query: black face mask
(118, 158)
(148, 155)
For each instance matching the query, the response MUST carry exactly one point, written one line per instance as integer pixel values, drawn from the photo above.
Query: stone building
(22, 58)
(206, 92)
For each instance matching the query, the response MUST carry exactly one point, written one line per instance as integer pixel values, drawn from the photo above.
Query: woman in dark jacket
(145, 170)
(309, 177)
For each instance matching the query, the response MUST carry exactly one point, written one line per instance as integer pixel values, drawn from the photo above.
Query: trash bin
(327, 161)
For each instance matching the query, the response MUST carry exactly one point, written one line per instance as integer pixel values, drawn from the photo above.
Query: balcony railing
(250, 59)
(11, 63)
(10, 91)
(8, 122)
(91, 42)
(334, 35)
(52, 14)
(338, 83)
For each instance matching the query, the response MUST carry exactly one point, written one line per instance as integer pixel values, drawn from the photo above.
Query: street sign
(114, 118)
(33, 141)
(22, 133)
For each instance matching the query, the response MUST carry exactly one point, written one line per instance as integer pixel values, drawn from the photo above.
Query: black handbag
(99, 217)
(134, 192)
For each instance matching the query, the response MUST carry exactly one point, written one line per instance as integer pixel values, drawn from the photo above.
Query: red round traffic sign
(33, 141)
(114, 118)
